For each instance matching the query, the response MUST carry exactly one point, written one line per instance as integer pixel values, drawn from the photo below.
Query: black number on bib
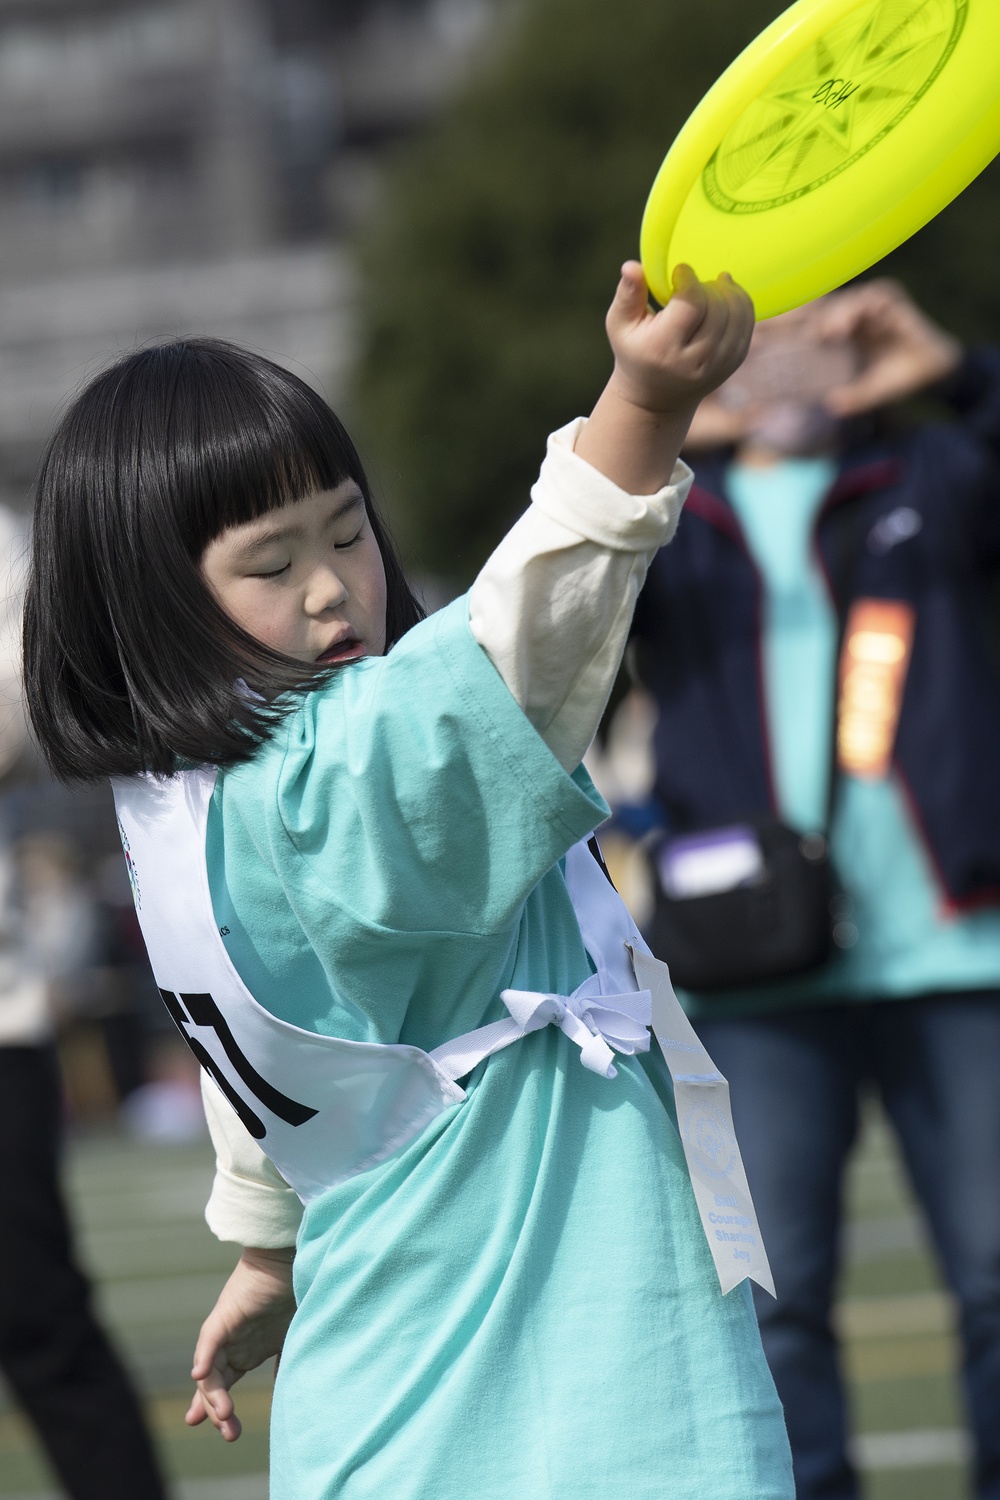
(254, 1124)
(201, 1010)
(595, 850)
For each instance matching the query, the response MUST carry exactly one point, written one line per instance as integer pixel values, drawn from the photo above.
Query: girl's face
(307, 579)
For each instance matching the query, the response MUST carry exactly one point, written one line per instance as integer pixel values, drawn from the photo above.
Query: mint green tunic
(521, 1304)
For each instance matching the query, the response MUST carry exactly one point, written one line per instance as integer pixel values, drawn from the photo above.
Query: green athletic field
(139, 1211)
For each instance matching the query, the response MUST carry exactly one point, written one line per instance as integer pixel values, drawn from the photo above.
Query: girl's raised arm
(553, 605)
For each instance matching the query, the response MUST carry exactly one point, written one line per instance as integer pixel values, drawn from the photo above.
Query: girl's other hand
(246, 1326)
(667, 361)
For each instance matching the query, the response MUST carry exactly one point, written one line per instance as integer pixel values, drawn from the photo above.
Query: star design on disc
(834, 103)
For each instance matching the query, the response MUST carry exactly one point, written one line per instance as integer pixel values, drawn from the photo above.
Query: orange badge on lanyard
(878, 642)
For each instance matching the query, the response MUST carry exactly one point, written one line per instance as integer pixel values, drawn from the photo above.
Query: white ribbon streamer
(705, 1123)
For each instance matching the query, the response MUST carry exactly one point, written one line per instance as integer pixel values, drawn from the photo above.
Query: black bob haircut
(130, 664)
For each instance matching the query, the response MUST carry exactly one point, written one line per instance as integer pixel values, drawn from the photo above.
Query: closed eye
(275, 574)
(341, 546)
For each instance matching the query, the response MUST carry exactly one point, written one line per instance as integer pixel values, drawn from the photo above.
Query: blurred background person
(818, 646)
(54, 1354)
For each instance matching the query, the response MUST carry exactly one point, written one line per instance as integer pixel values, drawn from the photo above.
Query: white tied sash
(325, 1109)
(596, 1023)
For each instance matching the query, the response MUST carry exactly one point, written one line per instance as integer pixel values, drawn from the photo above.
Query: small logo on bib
(133, 877)
(709, 1138)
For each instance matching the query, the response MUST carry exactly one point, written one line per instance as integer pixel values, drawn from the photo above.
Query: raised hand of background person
(246, 1326)
(902, 351)
(665, 363)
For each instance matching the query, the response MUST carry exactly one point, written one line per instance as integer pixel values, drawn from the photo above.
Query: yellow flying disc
(841, 130)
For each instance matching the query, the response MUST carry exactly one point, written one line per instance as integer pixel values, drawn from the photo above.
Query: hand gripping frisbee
(838, 133)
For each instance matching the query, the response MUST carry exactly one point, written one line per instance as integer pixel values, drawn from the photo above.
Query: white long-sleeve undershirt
(552, 609)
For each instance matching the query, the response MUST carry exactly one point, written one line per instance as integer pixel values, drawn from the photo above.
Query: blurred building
(168, 167)
(173, 166)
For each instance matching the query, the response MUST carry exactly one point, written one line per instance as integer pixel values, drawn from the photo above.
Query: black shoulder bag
(742, 905)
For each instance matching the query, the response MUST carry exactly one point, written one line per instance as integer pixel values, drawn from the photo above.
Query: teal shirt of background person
(385, 865)
(905, 942)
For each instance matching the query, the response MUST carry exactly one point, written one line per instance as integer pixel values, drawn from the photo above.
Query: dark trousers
(52, 1351)
(795, 1079)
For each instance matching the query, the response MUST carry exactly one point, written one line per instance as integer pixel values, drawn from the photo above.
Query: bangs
(232, 436)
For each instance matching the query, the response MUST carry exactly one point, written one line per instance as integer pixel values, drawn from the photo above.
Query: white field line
(922, 1448)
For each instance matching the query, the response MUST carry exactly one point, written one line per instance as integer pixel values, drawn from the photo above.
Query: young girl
(353, 840)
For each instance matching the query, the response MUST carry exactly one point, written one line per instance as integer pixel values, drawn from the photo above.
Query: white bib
(325, 1109)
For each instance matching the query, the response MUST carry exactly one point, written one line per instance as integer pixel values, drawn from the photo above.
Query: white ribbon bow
(595, 1022)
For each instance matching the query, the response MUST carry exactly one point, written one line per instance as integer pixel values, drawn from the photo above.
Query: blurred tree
(951, 265)
(490, 265)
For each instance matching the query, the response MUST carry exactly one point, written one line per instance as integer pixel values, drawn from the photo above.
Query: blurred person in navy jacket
(821, 536)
